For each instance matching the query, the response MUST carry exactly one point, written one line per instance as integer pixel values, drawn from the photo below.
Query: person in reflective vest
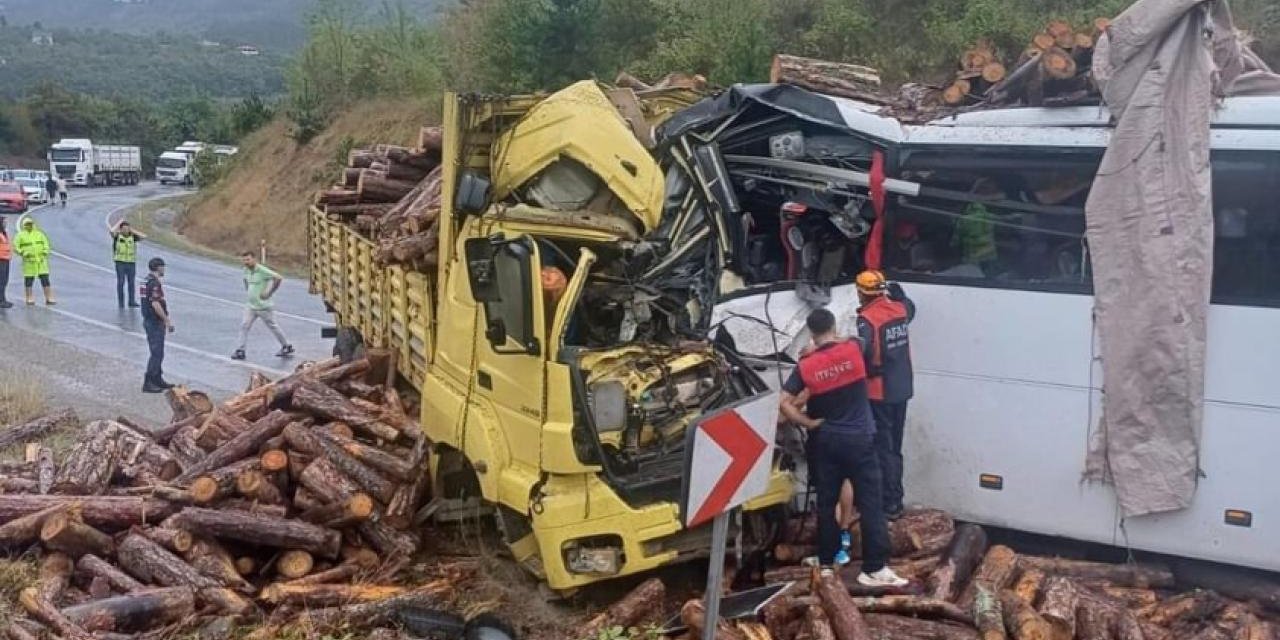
(883, 318)
(124, 245)
(33, 245)
(6, 254)
(838, 418)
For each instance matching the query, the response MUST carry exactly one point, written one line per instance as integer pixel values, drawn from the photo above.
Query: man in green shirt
(261, 283)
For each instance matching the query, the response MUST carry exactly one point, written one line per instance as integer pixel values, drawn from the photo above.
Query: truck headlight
(597, 555)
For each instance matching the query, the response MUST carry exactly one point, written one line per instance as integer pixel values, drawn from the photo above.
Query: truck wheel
(349, 345)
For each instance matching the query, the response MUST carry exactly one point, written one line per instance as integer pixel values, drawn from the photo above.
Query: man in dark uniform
(839, 420)
(882, 327)
(156, 321)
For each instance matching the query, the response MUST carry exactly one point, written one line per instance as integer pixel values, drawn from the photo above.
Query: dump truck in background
(82, 163)
(555, 341)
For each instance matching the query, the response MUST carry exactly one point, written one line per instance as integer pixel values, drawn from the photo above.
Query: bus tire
(349, 345)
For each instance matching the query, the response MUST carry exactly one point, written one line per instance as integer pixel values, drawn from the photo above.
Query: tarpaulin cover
(1162, 67)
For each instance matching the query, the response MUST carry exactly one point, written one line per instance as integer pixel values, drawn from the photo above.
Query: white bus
(1008, 381)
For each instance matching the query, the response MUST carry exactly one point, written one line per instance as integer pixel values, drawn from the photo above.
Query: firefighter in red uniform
(882, 327)
(838, 418)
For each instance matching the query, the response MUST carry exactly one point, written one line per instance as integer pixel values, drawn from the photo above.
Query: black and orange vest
(836, 378)
(889, 375)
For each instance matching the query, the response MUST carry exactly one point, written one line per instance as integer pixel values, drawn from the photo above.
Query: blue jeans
(841, 457)
(155, 344)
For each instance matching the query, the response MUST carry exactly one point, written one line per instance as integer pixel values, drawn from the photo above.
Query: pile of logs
(962, 588)
(1054, 70)
(391, 194)
(295, 499)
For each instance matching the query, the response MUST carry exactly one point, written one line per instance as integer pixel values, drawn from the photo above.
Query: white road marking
(170, 344)
(204, 296)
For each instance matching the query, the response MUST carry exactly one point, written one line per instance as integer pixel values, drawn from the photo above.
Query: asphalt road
(88, 347)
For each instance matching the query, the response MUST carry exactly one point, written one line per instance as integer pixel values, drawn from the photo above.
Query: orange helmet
(871, 283)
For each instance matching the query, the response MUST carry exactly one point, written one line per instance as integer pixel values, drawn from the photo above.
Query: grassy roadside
(20, 399)
(159, 219)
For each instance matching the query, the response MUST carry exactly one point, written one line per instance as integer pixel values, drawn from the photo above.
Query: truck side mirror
(501, 277)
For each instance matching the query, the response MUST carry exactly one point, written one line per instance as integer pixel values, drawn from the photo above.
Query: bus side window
(1246, 220)
(1006, 218)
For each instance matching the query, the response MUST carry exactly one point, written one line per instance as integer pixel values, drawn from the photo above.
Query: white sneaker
(882, 578)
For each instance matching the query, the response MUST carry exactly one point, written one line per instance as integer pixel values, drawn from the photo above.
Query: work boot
(238, 355)
(285, 351)
(48, 296)
(163, 384)
(151, 387)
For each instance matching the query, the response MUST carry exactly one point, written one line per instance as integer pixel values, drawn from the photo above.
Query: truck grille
(65, 171)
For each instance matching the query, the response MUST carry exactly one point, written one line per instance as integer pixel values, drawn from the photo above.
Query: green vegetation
(150, 67)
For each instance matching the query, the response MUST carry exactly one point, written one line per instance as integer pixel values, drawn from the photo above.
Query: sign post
(727, 462)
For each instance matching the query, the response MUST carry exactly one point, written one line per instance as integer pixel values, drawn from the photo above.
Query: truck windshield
(66, 155)
(171, 163)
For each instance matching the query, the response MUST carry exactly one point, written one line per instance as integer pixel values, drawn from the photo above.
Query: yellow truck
(558, 348)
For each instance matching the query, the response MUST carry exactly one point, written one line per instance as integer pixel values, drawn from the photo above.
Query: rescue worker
(883, 317)
(156, 322)
(33, 245)
(6, 254)
(839, 421)
(124, 249)
(261, 283)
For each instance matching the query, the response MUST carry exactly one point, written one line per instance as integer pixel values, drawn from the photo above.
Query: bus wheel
(349, 345)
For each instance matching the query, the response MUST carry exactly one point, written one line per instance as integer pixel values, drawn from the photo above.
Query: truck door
(509, 376)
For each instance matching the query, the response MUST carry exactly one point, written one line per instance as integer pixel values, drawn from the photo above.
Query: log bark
(890, 627)
(26, 529)
(64, 533)
(338, 196)
(34, 429)
(324, 402)
(995, 573)
(294, 564)
(431, 138)
(45, 470)
(694, 616)
(816, 625)
(19, 485)
(176, 540)
(392, 544)
(375, 458)
(344, 572)
(254, 485)
(1028, 586)
(403, 507)
(1196, 605)
(135, 612)
(150, 562)
(186, 403)
(961, 558)
(430, 595)
(16, 631)
(184, 448)
(109, 513)
(243, 445)
(46, 612)
(337, 515)
(118, 580)
(219, 483)
(1123, 575)
(312, 443)
(832, 78)
(327, 595)
(326, 483)
(642, 603)
(212, 560)
(987, 615)
(238, 504)
(1058, 64)
(1021, 619)
(1094, 622)
(262, 530)
(1058, 607)
(914, 606)
(88, 468)
(846, 619)
(55, 575)
(373, 187)
(917, 531)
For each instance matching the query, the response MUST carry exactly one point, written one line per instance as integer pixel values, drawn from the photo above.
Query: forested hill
(278, 25)
(153, 67)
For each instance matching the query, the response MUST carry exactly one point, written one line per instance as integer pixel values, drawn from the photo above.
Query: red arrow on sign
(744, 447)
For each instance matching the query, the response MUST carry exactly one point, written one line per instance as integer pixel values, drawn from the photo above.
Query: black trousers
(125, 273)
(891, 422)
(29, 281)
(841, 457)
(155, 344)
(4, 278)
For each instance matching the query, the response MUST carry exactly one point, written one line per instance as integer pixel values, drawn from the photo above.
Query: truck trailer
(82, 163)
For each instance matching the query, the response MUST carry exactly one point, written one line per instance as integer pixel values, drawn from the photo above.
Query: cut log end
(295, 564)
(204, 490)
(1044, 41)
(1058, 64)
(994, 72)
(274, 460)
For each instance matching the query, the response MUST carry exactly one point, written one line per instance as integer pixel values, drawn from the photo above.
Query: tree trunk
(186, 403)
(402, 470)
(391, 543)
(925, 530)
(55, 575)
(431, 595)
(1144, 576)
(184, 448)
(64, 533)
(45, 469)
(694, 616)
(178, 541)
(254, 485)
(135, 612)
(219, 483)
(643, 603)
(1058, 607)
(403, 507)
(402, 172)
(831, 78)
(34, 429)
(843, 612)
(327, 595)
(817, 625)
(962, 556)
(243, 445)
(341, 573)
(1028, 586)
(987, 615)
(45, 612)
(337, 515)
(150, 562)
(374, 187)
(326, 483)
(88, 468)
(96, 567)
(212, 560)
(1196, 605)
(110, 513)
(889, 627)
(238, 504)
(995, 573)
(261, 530)
(914, 606)
(1021, 619)
(326, 403)
(302, 439)
(24, 530)
(338, 196)
(1095, 622)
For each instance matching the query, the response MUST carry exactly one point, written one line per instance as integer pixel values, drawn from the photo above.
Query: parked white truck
(81, 162)
(179, 165)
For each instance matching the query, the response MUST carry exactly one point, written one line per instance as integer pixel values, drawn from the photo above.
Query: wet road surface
(206, 300)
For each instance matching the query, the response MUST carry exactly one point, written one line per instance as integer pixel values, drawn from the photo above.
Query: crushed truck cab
(558, 348)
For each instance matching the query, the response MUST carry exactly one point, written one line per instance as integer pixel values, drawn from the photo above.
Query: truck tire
(349, 345)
